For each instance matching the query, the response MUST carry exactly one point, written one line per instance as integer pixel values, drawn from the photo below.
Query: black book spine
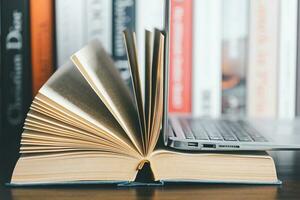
(1, 108)
(15, 76)
(123, 17)
(1, 86)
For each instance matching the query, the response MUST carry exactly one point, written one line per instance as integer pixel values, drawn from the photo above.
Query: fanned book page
(86, 126)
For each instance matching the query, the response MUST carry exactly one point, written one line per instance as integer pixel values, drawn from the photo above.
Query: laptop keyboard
(220, 130)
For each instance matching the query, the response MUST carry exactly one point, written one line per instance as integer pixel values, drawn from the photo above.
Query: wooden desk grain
(288, 167)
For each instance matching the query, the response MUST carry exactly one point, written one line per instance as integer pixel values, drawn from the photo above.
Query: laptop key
(215, 137)
(188, 134)
(229, 138)
(189, 137)
(252, 132)
(240, 133)
(226, 133)
(199, 135)
(187, 131)
(212, 132)
(244, 139)
(198, 131)
(258, 138)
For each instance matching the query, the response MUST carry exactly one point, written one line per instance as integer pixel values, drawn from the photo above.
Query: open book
(86, 125)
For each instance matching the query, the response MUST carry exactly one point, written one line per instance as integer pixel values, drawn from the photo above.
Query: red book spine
(180, 56)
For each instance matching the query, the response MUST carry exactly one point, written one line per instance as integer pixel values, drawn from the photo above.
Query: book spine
(15, 75)
(90, 18)
(1, 68)
(123, 17)
(234, 54)
(180, 57)
(41, 27)
(150, 15)
(70, 27)
(298, 65)
(263, 59)
(287, 59)
(207, 58)
(98, 22)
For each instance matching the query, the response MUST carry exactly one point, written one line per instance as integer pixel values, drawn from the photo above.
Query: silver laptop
(187, 133)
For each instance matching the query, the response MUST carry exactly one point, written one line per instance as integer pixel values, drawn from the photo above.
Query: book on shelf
(123, 16)
(234, 56)
(145, 8)
(15, 77)
(98, 22)
(90, 18)
(207, 40)
(68, 17)
(180, 76)
(287, 59)
(41, 38)
(297, 109)
(1, 87)
(86, 126)
(262, 73)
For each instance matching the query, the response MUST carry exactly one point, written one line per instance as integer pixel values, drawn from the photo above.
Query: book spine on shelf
(234, 55)
(150, 15)
(207, 58)
(123, 17)
(90, 18)
(15, 75)
(180, 57)
(298, 65)
(41, 27)
(263, 59)
(98, 22)
(287, 59)
(1, 67)
(70, 27)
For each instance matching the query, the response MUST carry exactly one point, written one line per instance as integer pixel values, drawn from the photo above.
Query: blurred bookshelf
(234, 58)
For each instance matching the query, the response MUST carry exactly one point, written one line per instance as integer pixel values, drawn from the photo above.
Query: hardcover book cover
(15, 76)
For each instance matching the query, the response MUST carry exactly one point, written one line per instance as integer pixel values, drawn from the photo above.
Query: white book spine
(98, 24)
(263, 59)
(80, 21)
(69, 28)
(150, 15)
(207, 58)
(288, 59)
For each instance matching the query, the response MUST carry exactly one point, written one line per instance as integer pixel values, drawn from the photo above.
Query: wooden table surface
(287, 163)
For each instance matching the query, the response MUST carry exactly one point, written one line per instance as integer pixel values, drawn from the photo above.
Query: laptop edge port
(209, 146)
(193, 144)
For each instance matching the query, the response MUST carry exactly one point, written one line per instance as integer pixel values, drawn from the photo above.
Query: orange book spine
(42, 35)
